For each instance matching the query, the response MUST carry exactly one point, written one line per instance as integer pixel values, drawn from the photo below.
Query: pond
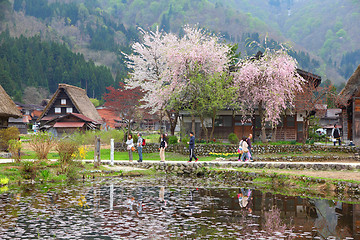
(169, 208)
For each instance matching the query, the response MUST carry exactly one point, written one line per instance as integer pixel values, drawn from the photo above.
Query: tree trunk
(173, 122)
(305, 128)
(273, 137)
(213, 125)
(193, 123)
(204, 128)
(263, 123)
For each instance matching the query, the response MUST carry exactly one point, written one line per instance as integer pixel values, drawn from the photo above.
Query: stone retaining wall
(193, 168)
(225, 172)
(206, 149)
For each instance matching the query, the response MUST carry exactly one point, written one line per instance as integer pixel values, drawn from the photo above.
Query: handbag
(132, 148)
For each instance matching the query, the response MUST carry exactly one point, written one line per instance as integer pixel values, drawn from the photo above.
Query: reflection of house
(350, 117)
(69, 109)
(229, 121)
(7, 109)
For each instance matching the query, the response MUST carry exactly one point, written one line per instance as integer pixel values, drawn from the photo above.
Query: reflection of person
(163, 145)
(162, 195)
(192, 147)
(140, 146)
(245, 199)
(336, 134)
(130, 144)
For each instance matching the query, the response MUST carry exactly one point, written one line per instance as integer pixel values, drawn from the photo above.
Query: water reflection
(151, 210)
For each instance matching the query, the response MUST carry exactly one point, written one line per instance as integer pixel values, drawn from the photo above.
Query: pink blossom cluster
(271, 81)
(163, 63)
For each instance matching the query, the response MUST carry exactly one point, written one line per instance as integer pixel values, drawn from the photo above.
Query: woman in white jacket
(130, 145)
(245, 149)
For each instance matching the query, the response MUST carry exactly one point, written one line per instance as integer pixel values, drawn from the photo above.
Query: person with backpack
(335, 134)
(140, 146)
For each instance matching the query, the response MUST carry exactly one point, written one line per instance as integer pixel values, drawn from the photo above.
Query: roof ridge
(64, 85)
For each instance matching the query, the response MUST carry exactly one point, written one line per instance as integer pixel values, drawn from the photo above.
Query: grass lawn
(169, 156)
(105, 155)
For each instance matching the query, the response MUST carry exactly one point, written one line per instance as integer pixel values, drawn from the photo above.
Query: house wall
(289, 130)
(57, 104)
(356, 120)
(4, 122)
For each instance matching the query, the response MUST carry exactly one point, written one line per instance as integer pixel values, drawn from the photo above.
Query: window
(290, 121)
(57, 110)
(223, 121)
(63, 101)
(69, 110)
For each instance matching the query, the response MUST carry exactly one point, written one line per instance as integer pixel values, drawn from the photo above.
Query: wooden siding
(57, 104)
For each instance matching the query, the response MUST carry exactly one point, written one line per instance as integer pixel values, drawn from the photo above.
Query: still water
(161, 208)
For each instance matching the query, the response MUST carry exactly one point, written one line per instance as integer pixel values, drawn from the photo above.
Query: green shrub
(28, 170)
(233, 138)
(44, 174)
(185, 140)
(41, 143)
(67, 150)
(135, 138)
(14, 149)
(88, 137)
(6, 135)
(172, 139)
(72, 172)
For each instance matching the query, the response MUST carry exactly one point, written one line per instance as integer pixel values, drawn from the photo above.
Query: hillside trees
(31, 62)
(267, 83)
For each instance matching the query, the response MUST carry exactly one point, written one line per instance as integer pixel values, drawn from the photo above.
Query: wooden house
(69, 109)
(231, 121)
(350, 115)
(7, 109)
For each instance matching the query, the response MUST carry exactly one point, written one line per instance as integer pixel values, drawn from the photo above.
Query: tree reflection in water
(154, 210)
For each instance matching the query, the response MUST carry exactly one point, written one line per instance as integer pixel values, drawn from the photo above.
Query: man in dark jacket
(191, 147)
(335, 133)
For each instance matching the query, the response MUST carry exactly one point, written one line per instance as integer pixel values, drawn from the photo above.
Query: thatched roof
(352, 86)
(7, 106)
(79, 98)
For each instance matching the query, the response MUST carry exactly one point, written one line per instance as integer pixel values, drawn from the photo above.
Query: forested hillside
(31, 62)
(330, 29)
(323, 33)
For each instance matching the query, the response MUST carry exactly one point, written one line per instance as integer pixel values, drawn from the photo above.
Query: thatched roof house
(350, 116)
(7, 108)
(69, 99)
(70, 109)
(352, 86)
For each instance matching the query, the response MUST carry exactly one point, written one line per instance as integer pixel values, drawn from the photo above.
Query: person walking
(248, 141)
(163, 146)
(130, 145)
(192, 147)
(245, 149)
(335, 133)
(140, 147)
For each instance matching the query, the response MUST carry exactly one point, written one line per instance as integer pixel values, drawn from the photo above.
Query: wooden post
(112, 152)
(97, 159)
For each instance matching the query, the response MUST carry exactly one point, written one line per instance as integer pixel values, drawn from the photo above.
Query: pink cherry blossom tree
(165, 66)
(269, 84)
